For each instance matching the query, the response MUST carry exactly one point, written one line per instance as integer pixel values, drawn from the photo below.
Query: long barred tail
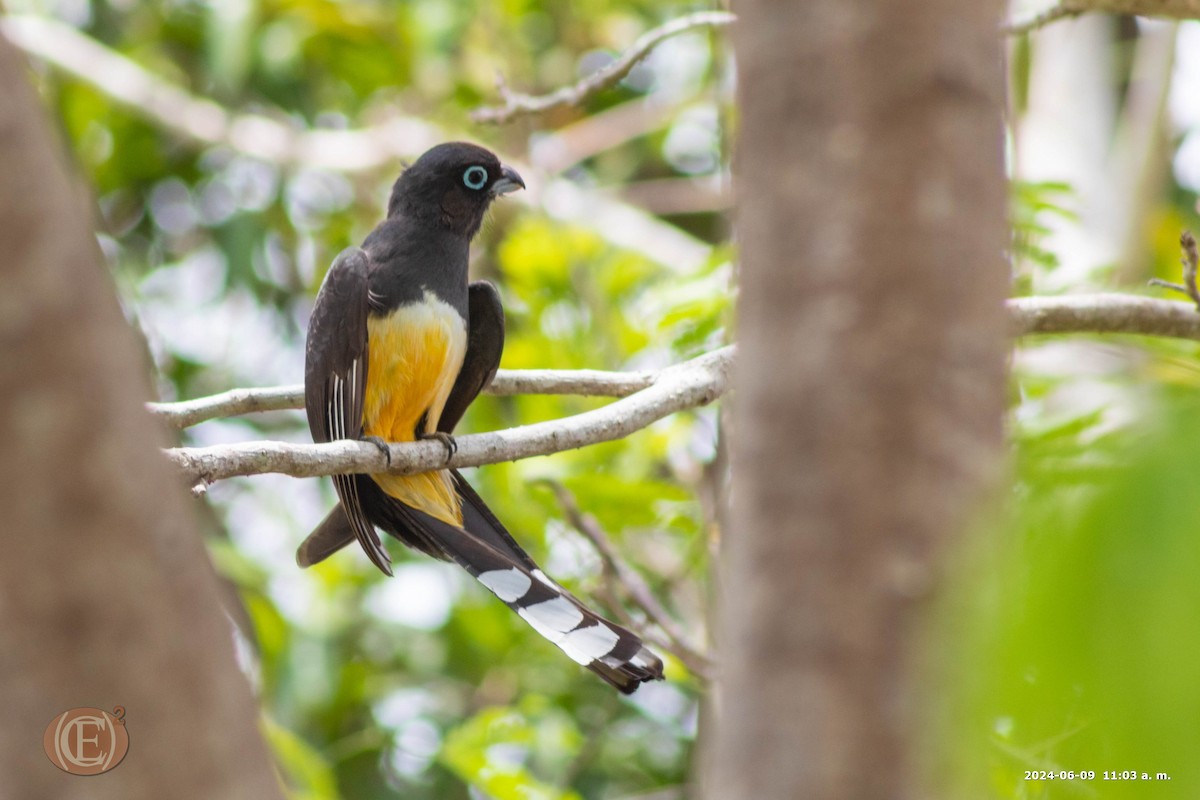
(484, 548)
(614, 653)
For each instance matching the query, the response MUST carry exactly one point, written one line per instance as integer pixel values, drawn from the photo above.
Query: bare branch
(687, 385)
(1083, 313)
(557, 151)
(584, 382)
(1187, 242)
(519, 105)
(1104, 313)
(233, 403)
(1171, 9)
(1062, 10)
(631, 581)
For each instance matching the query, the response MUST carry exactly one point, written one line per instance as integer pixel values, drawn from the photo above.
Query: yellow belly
(415, 354)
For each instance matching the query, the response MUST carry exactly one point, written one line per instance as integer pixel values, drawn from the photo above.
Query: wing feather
(485, 343)
(335, 377)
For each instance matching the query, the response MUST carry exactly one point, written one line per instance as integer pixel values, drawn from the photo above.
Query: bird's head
(452, 185)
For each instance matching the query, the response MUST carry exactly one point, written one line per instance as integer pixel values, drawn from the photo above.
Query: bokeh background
(1069, 638)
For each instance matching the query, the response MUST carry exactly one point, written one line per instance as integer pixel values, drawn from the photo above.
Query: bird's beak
(509, 181)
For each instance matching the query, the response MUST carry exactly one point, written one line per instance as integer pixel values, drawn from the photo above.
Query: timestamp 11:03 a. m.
(1090, 775)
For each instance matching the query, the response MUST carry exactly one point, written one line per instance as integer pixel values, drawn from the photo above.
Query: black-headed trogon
(398, 346)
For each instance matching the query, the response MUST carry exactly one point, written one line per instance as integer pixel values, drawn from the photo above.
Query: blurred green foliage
(1067, 645)
(1081, 615)
(1034, 205)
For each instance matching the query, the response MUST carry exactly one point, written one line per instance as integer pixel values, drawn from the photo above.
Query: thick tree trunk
(106, 594)
(870, 381)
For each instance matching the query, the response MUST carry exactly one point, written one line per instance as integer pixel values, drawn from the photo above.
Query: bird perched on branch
(398, 346)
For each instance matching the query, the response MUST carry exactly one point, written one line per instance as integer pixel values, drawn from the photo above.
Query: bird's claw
(446, 439)
(382, 446)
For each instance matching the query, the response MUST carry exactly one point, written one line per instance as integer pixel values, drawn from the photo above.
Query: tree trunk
(106, 594)
(870, 377)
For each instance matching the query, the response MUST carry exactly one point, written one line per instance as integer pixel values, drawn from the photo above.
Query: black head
(453, 184)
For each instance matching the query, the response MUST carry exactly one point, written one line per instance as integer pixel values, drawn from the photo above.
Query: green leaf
(308, 775)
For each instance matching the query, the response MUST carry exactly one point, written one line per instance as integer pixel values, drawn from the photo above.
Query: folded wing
(335, 377)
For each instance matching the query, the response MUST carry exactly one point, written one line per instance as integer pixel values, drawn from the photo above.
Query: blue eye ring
(475, 177)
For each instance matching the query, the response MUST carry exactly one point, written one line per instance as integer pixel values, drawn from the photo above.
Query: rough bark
(869, 382)
(106, 594)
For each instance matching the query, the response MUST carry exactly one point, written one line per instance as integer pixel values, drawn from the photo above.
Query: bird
(399, 344)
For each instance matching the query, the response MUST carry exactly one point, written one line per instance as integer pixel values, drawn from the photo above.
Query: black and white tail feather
(614, 653)
(485, 549)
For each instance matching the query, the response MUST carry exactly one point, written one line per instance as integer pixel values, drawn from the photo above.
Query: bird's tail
(487, 551)
(484, 548)
(332, 534)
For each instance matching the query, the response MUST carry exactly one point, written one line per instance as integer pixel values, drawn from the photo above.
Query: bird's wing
(485, 342)
(335, 377)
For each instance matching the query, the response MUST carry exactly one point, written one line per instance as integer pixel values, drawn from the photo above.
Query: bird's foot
(381, 445)
(446, 439)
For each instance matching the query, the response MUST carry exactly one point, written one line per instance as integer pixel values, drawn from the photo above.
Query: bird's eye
(475, 177)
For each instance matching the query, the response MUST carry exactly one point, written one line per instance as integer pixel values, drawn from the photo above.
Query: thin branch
(1083, 313)
(587, 382)
(1104, 313)
(1064, 9)
(557, 151)
(519, 105)
(1187, 243)
(631, 581)
(687, 385)
(235, 402)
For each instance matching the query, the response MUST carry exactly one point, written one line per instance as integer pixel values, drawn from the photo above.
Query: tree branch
(1190, 261)
(1083, 313)
(1061, 10)
(1171, 9)
(632, 582)
(687, 385)
(235, 402)
(1104, 313)
(519, 105)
